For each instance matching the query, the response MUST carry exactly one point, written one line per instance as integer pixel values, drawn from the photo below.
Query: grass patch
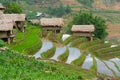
(94, 66)
(18, 67)
(59, 37)
(68, 40)
(28, 40)
(77, 41)
(85, 45)
(107, 53)
(49, 53)
(63, 57)
(80, 60)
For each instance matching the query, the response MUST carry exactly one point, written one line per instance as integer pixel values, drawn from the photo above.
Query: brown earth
(106, 6)
(70, 2)
(114, 31)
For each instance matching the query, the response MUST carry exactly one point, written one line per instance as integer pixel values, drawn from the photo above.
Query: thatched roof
(51, 21)
(6, 25)
(14, 17)
(83, 28)
(1, 6)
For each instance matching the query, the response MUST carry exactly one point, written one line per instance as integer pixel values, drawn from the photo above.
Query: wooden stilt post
(91, 38)
(9, 40)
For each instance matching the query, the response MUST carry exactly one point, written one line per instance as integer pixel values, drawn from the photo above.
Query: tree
(13, 8)
(86, 18)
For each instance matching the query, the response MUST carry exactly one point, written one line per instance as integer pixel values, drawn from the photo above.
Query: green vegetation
(28, 42)
(50, 35)
(80, 60)
(111, 16)
(77, 42)
(18, 67)
(94, 66)
(86, 17)
(13, 8)
(49, 53)
(86, 2)
(109, 52)
(59, 11)
(68, 40)
(98, 48)
(59, 37)
(85, 45)
(2, 43)
(63, 57)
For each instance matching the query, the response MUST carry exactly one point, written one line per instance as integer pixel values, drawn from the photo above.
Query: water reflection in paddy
(58, 52)
(74, 53)
(88, 62)
(112, 66)
(116, 60)
(102, 68)
(45, 47)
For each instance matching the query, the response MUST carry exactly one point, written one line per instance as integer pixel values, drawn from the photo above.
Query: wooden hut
(6, 27)
(51, 24)
(18, 20)
(2, 8)
(83, 30)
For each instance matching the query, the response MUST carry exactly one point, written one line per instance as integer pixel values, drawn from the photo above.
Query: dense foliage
(84, 18)
(13, 8)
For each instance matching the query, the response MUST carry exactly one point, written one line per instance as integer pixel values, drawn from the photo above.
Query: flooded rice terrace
(108, 67)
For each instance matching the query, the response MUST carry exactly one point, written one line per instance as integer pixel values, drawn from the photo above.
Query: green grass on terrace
(18, 67)
(29, 39)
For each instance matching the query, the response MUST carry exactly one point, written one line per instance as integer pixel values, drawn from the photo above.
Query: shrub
(2, 43)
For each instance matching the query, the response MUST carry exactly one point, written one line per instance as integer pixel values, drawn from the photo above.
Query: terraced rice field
(91, 55)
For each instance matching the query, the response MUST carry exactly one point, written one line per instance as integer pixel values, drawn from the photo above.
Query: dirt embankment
(70, 2)
(107, 5)
(113, 31)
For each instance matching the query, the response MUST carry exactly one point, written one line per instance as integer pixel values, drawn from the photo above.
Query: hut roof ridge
(51, 21)
(83, 28)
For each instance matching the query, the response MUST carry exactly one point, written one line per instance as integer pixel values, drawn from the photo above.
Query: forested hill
(60, 8)
(103, 4)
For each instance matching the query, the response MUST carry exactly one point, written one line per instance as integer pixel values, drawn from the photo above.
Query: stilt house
(83, 30)
(18, 20)
(51, 24)
(6, 27)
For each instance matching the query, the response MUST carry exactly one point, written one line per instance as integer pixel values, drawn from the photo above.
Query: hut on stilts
(83, 31)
